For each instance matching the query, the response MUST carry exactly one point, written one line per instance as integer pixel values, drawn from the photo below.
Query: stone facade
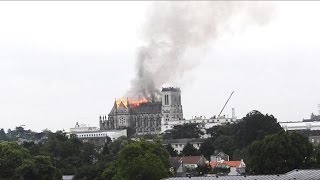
(145, 117)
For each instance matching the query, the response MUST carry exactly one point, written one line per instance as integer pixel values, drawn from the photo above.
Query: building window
(312, 140)
(166, 99)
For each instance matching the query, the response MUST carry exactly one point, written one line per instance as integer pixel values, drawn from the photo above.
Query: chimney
(233, 113)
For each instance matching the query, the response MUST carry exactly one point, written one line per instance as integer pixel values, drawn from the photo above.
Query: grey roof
(308, 174)
(147, 108)
(170, 89)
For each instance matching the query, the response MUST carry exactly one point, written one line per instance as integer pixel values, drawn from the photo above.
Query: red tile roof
(228, 163)
(187, 159)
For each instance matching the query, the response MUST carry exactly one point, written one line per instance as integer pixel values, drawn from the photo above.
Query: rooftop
(186, 159)
(175, 89)
(297, 174)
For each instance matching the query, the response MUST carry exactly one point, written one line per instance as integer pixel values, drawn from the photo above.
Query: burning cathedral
(146, 117)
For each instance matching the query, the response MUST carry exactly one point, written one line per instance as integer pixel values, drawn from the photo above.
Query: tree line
(257, 138)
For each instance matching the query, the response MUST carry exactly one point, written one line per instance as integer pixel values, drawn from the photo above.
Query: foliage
(316, 156)
(201, 170)
(189, 150)
(225, 144)
(207, 148)
(233, 138)
(3, 136)
(171, 150)
(279, 153)
(106, 156)
(140, 160)
(183, 131)
(221, 170)
(17, 163)
(255, 126)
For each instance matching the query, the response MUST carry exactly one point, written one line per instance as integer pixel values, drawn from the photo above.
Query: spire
(115, 102)
(128, 105)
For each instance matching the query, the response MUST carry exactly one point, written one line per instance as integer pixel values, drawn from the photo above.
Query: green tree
(231, 138)
(39, 168)
(3, 136)
(207, 148)
(118, 145)
(140, 160)
(183, 131)
(255, 126)
(11, 157)
(17, 163)
(316, 156)
(225, 144)
(279, 153)
(189, 150)
(171, 151)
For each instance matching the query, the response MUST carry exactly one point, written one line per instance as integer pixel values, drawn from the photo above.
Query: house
(219, 156)
(190, 162)
(235, 167)
(67, 177)
(177, 168)
(179, 144)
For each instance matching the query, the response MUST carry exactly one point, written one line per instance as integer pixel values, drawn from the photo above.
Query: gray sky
(63, 62)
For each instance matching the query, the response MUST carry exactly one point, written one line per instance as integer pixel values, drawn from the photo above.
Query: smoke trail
(174, 28)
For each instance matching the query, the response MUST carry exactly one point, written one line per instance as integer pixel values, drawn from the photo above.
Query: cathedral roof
(113, 110)
(147, 108)
(121, 105)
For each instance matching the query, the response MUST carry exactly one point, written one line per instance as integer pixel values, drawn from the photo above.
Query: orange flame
(133, 103)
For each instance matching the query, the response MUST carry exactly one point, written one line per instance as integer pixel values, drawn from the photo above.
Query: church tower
(171, 104)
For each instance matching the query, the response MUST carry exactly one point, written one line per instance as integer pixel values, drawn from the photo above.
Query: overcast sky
(66, 62)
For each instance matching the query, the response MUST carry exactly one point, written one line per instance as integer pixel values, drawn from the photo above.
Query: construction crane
(225, 104)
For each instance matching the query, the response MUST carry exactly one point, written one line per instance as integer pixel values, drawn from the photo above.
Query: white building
(203, 123)
(87, 133)
(291, 126)
(179, 144)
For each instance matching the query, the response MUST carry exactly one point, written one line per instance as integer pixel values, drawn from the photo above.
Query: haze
(66, 62)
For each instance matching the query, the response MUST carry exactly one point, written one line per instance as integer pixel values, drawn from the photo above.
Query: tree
(11, 157)
(118, 145)
(39, 168)
(225, 144)
(207, 148)
(234, 137)
(3, 136)
(140, 160)
(279, 153)
(17, 163)
(183, 131)
(255, 126)
(316, 156)
(171, 151)
(189, 150)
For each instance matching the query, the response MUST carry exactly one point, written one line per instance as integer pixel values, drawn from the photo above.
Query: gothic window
(166, 99)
